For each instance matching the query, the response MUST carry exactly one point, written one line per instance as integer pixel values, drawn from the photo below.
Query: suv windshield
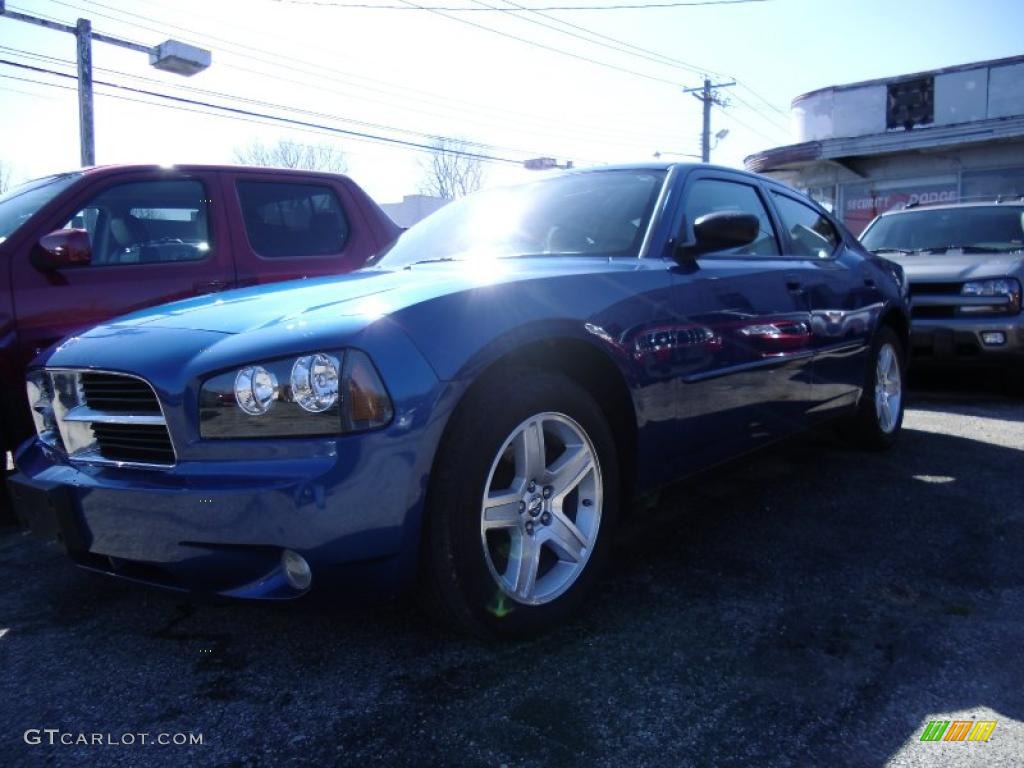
(18, 205)
(580, 214)
(987, 227)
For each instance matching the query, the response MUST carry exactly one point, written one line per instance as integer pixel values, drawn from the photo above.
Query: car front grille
(118, 394)
(148, 443)
(110, 418)
(943, 301)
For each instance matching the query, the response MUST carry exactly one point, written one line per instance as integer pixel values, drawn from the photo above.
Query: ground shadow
(811, 606)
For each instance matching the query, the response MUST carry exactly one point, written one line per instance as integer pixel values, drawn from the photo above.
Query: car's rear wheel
(879, 415)
(524, 494)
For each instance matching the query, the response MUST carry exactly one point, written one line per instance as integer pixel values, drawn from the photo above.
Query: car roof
(202, 167)
(1014, 203)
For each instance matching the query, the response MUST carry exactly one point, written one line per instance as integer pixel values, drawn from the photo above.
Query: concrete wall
(961, 95)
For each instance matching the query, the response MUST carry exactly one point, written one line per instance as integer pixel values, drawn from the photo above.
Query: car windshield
(18, 205)
(983, 228)
(579, 214)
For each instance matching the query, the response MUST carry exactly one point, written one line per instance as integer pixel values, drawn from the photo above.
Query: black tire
(864, 428)
(7, 517)
(456, 581)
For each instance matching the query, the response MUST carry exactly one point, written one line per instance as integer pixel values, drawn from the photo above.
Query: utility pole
(708, 94)
(87, 138)
(170, 56)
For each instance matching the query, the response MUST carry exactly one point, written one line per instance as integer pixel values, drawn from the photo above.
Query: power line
(651, 55)
(311, 69)
(271, 105)
(276, 118)
(766, 102)
(461, 9)
(542, 46)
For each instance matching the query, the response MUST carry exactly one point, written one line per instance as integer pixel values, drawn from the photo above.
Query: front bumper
(350, 507)
(959, 340)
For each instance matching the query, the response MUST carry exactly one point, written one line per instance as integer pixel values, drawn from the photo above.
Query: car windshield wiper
(969, 249)
(904, 251)
(438, 260)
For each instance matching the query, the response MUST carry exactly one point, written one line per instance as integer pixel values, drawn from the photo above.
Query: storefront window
(862, 202)
(989, 185)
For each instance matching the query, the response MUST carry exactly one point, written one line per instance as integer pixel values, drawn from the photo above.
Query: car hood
(364, 295)
(957, 266)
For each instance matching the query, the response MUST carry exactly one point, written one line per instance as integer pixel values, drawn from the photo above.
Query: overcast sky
(407, 74)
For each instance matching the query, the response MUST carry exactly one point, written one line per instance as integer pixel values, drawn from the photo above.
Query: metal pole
(83, 33)
(705, 143)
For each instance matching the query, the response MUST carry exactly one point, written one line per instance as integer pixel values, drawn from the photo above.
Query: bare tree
(451, 172)
(287, 153)
(5, 176)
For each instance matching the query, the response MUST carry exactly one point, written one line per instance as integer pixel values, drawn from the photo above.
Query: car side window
(284, 219)
(714, 195)
(810, 232)
(146, 222)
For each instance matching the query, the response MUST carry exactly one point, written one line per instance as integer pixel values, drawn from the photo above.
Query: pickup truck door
(293, 225)
(156, 236)
(744, 330)
(843, 296)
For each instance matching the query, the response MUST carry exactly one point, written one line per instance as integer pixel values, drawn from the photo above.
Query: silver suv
(965, 266)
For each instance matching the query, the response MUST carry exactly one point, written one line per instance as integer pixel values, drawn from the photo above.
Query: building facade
(948, 135)
(412, 209)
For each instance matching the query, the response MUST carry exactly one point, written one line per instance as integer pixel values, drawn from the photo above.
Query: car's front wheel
(524, 494)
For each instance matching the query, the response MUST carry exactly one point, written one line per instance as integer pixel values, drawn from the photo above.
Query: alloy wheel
(888, 388)
(541, 508)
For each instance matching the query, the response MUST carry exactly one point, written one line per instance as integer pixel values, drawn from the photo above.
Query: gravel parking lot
(812, 606)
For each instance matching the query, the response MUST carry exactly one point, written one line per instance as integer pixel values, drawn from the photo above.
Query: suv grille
(118, 394)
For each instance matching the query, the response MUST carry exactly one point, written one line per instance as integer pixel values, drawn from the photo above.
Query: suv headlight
(316, 394)
(1006, 287)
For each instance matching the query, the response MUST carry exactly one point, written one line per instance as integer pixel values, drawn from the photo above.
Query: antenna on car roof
(911, 204)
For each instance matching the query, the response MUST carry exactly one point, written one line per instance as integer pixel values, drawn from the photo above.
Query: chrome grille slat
(111, 418)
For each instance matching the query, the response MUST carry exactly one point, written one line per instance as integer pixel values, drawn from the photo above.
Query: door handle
(794, 285)
(210, 286)
(869, 282)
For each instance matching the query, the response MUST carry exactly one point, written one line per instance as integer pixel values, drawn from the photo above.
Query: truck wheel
(521, 507)
(879, 415)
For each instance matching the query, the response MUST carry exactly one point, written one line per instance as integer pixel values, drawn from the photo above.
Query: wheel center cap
(535, 506)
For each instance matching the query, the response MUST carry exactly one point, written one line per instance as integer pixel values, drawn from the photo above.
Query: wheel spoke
(501, 510)
(523, 565)
(570, 469)
(529, 447)
(565, 538)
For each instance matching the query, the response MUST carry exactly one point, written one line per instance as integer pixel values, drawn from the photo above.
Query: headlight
(39, 388)
(315, 394)
(315, 382)
(1003, 287)
(255, 390)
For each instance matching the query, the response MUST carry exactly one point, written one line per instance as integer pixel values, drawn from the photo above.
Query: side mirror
(718, 231)
(63, 248)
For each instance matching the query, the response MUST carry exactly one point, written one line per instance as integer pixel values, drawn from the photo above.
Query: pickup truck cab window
(147, 222)
(285, 219)
(18, 205)
(810, 233)
(715, 195)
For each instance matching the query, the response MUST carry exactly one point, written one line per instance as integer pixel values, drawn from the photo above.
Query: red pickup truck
(81, 247)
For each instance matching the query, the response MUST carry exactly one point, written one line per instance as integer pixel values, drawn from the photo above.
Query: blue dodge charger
(469, 413)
